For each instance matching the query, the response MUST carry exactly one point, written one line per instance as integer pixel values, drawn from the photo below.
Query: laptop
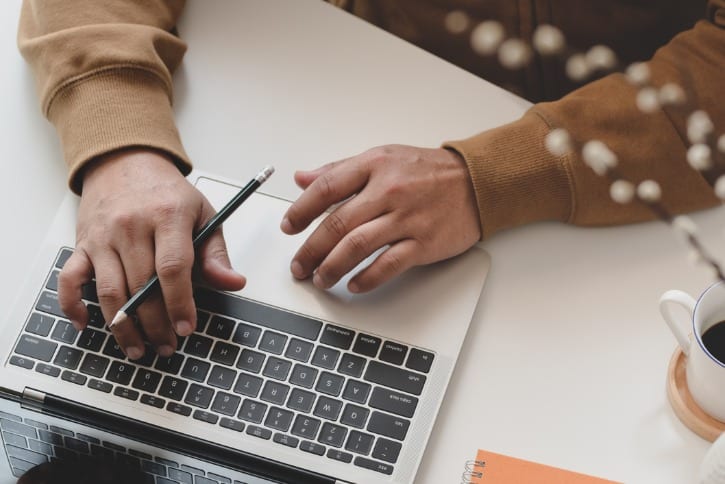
(280, 383)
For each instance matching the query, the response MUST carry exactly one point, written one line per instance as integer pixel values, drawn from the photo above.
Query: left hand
(419, 202)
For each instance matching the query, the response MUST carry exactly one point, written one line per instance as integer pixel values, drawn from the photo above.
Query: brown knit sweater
(103, 72)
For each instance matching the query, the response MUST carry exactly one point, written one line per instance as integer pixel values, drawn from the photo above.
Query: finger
(303, 178)
(355, 247)
(395, 260)
(76, 272)
(213, 260)
(112, 294)
(332, 186)
(331, 231)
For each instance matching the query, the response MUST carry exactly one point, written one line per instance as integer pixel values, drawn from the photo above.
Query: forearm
(103, 74)
(517, 181)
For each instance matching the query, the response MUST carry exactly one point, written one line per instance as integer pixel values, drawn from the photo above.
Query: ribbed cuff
(516, 180)
(114, 109)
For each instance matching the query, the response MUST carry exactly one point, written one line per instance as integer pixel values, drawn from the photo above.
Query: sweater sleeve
(517, 181)
(103, 74)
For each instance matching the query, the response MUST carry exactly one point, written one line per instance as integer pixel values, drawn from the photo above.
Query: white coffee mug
(705, 374)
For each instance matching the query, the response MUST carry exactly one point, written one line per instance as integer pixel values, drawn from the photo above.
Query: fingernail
(286, 225)
(318, 282)
(165, 350)
(296, 269)
(183, 328)
(134, 352)
(353, 287)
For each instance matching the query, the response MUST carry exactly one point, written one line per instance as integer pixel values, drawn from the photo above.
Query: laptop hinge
(32, 398)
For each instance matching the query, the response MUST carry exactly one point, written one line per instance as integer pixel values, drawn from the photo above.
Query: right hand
(137, 217)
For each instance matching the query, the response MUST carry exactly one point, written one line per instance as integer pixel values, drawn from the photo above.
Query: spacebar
(256, 313)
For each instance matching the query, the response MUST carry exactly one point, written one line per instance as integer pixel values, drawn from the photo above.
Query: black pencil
(208, 229)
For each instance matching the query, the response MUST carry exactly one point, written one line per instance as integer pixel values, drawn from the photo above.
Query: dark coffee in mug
(714, 341)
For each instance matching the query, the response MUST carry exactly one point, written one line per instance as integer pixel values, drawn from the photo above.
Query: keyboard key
(228, 423)
(250, 361)
(256, 313)
(199, 396)
(18, 428)
(63, 256)
(287, 440)
(351, 365)
(36, 348)
(113, 349)
(152, 400)
(48, 303)
(120, 372)
(306, 427)
(171, 364)
(99, 385)
(252, 411)
(339, 455)
(279, 419)
(16, 440)
(146, 380)
(73, 377)
(41, 447)
(355, 416)
(274, 392)
(332, 434)
(226, 403)
(366, 345)
(330, 384)
(202, 319)
(221, 377)
(25, 455)
(325, 357)
(393, 402)
(260, 432)
(328, 408)
(91, 339)
(180, 476)
(126, 393)
(394, 377)
(247, 335)
(337, 336)
(50, 437)
(197, 345)
(312, 447)
(248, 385)
(388, 425)
(149, 355)
(387, 450)
(303, 376)
(207, 417)
(273, 342)
(356, 391)
(39, 324)
(218, 478)
(299, 350)
(22, 362)
(359, 442)
(195, 369)
(94, 365)
(179, 409)
(68, 357)
(52, 283)
(166, 462)
(277, 368)
(373, 465)
(419, 360)
(220, 327)
(153, 468)
(95, 316)
(301, 400)
(393, 353)
(224, 353)
(49, 370)
(173, 388)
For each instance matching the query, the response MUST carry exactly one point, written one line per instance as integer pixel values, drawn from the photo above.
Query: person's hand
(418, 202)
(137, 216)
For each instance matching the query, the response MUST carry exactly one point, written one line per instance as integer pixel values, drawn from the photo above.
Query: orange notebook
(492, 468)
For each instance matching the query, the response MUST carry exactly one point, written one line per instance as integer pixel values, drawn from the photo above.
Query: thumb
(213, 259)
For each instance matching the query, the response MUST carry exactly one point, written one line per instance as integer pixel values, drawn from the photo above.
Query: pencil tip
(118, 318)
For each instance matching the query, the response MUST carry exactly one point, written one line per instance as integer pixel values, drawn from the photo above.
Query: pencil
(135, 301)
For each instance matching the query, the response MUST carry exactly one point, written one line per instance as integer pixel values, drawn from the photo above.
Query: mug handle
(686, 301)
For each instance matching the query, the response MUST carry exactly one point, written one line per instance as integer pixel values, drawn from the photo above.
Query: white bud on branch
(672, 94)
(684, 225)
(457, 22)
(548, 40)
(601, 57)
(621, 191)
(699, 156)
(487, 36)
(720, 187)
(514, 54)
(638, 73)
(558, 142)
(577, 68)
(648, 100)
(649, 191)
(699, 126)
(598, 156)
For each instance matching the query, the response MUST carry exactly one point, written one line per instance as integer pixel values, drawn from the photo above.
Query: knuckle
(107, 291)
(390, 263)
(336, 225)
(358, 243)
(171, 266)
(326, 187)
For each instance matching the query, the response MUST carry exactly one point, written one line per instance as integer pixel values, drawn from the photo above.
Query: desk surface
(566, 357)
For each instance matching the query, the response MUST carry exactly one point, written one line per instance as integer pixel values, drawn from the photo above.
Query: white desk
(566, 358)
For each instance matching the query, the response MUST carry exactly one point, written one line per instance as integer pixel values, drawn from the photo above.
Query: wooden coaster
(683, 404)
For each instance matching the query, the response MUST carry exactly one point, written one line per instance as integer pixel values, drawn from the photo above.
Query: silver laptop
(281, 382)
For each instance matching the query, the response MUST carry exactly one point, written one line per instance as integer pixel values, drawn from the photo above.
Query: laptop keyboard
(248, 368)
(29, 443)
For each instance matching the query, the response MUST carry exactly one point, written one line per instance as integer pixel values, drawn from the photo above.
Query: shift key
(37, 348)
(394, 377)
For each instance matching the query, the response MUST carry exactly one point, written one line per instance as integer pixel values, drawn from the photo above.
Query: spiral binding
(473, 470)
